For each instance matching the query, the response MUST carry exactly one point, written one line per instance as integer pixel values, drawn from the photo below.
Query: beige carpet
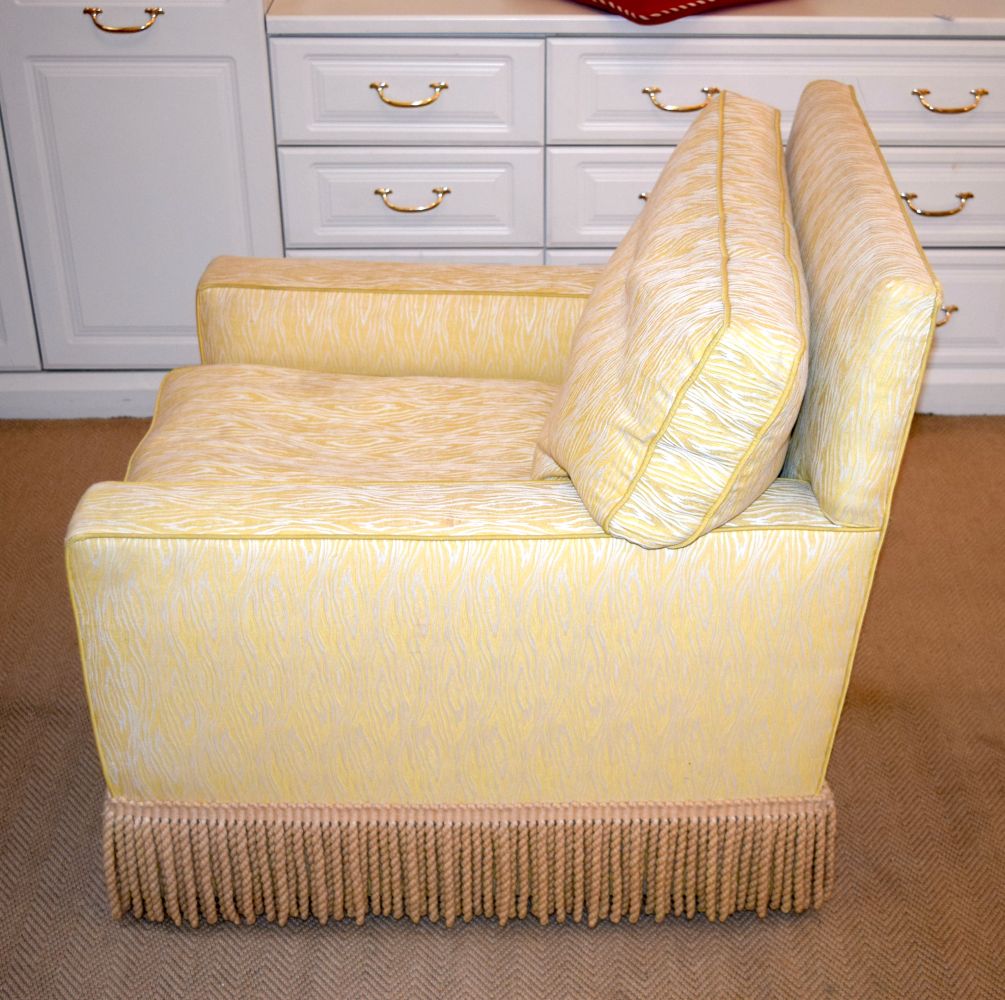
(918, 772)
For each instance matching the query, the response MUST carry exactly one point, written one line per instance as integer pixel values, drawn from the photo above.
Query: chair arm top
(421, 511)
(544, 509)
(390, 277)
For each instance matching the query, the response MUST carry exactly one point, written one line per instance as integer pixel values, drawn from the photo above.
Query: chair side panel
(467, 670)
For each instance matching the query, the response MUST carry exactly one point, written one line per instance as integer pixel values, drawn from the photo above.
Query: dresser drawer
(937, 176)
(974, 282)
(595, 87)
(594, 192)
(494, 91)
(429, 255)
(495, 197)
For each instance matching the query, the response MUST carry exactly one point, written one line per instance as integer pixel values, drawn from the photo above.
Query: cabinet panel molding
(18, 347)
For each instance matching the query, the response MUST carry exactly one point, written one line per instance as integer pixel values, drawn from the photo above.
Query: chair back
(873, 306)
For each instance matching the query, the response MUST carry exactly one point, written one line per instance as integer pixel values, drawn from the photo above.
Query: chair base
(579, 862)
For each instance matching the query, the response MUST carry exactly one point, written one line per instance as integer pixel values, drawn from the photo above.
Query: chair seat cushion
(216, 422)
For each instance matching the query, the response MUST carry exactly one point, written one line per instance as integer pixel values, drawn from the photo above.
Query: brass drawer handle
(709, 93)
(947, 312)
(977, 93)
(129, 29)
(384, 193)
(437, 88)
(964, 197)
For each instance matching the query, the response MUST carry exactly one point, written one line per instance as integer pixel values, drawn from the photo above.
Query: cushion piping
(786, 395)
(726, 316)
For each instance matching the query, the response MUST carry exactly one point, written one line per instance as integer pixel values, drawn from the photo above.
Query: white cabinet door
(136, 158)
(18, 349)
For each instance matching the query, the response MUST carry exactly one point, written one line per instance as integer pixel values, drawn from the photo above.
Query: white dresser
(529, 130)
(508, 131)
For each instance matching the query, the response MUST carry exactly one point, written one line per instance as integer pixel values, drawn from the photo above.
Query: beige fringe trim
(584, 862)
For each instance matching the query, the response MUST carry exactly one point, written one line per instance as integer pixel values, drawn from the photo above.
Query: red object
(660, 11)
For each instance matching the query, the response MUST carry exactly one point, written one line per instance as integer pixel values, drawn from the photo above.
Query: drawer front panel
(329, 197)
(594, 193)
(323, 94)
(936, 176)
(974, 282)
(429, 255)
(595, 87)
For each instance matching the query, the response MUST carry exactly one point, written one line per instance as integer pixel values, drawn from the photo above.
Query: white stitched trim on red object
(660, 13)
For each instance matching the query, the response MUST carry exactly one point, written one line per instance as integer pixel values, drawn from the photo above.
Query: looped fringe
(592, 863)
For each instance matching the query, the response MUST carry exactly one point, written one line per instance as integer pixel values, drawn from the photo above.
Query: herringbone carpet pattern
(918, 773)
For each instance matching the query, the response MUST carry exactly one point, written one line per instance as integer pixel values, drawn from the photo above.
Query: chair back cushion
(873, 304)
(687, 367)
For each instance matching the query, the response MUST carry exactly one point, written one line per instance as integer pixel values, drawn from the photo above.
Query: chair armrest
(478, 321)
(414, 511)
(430, 511)
(786, 504)
(536, 509)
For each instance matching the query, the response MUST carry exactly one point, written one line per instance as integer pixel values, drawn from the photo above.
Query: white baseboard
(963, 391)
(40, 395)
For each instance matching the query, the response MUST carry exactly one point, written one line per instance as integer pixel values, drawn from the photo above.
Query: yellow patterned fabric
(295, 645)
(543, 509)
(332, 579)
(252, 422)
(482, 321)
(688, 365)
(874, 304)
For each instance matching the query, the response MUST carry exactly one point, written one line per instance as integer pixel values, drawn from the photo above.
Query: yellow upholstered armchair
(457, 591)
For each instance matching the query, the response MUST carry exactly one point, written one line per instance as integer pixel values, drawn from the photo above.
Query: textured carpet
(918, 773)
